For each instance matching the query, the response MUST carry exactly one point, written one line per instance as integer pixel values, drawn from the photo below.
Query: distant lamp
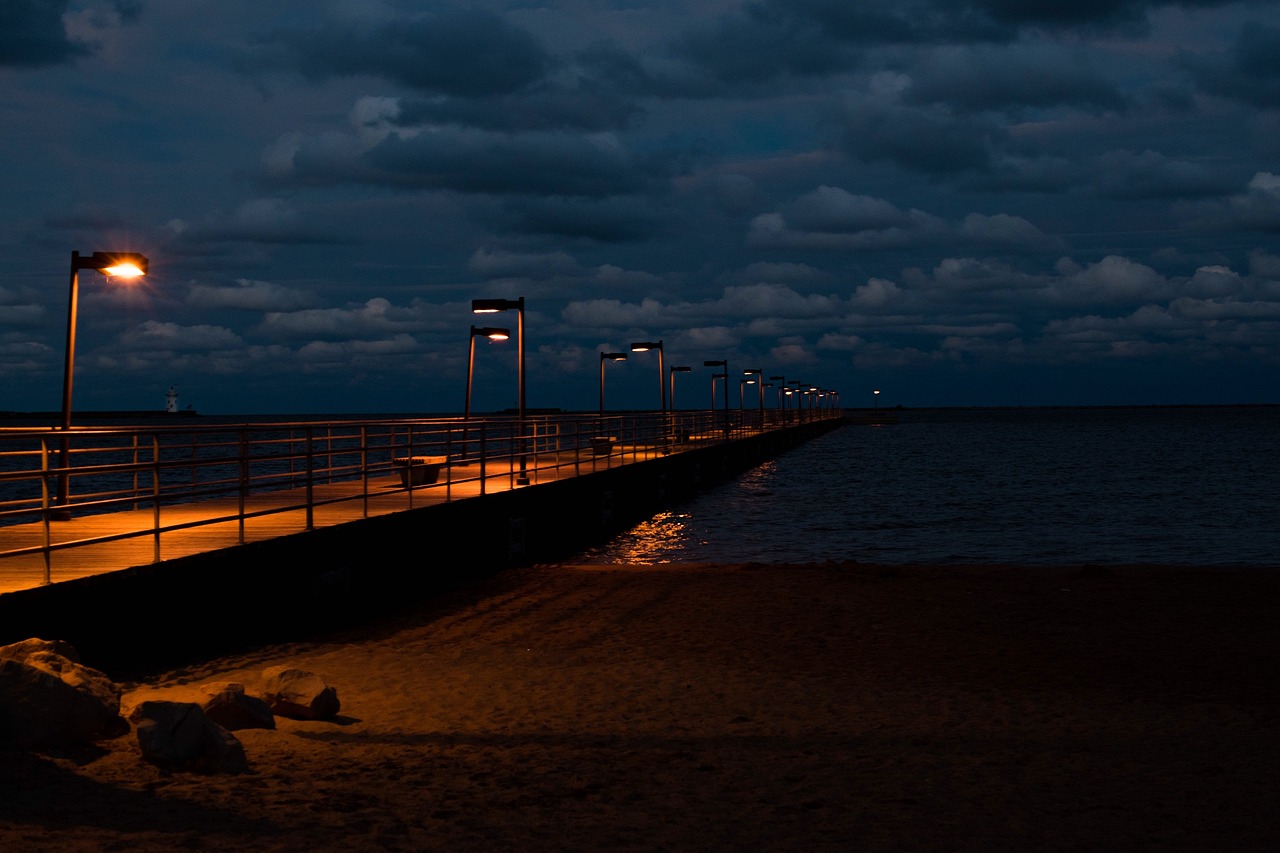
(724, 362)
(494, 335)
(671, 397)
(493, 306)
(607, 356)
(875, 395)
(646, 346)
(126, 265)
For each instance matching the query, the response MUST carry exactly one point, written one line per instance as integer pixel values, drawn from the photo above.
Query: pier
(200, 533)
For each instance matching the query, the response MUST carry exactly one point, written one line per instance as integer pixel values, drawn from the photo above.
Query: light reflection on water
(1020, 486)
(656, 540)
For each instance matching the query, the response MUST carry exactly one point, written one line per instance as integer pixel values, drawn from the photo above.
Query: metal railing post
(364, 468)
(46, 509)
(155, 495)
(242, 489)
(484, 456)
(310, 480)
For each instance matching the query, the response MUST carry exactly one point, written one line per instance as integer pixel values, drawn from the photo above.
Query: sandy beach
(735, 707)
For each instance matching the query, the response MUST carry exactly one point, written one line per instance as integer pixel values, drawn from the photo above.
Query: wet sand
(752, 707)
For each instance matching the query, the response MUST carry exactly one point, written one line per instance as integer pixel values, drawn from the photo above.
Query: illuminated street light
(492, 306)
(672, 382)
(646, 346)
(875, 396)
(725, 364)
(494, 335)
(759, 383)
(607, 356)
(126, 265)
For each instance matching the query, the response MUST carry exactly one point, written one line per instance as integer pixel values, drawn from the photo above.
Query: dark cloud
(455, 52)
(610, 220)
(932, 140)
(1249, 73)
(1151, 175)
(1010, 79)
(1074, 13)
(585, 106)
(1062, 13)
(764, 42)
(32, 34)
(768, 39)
(465, 160)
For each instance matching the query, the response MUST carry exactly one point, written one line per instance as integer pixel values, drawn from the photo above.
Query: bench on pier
(602, 445)
(419, 470)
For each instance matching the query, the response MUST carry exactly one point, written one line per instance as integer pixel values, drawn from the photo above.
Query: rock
(298, 694)
(230, 707)
(48, 699)
(179, 736)
(22, 650)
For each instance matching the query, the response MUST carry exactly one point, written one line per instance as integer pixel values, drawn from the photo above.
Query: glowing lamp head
(493, 306)
(116, 264)
(491, 332)
(124, 271)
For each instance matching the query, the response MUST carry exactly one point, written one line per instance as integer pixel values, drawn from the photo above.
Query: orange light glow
(125, 270)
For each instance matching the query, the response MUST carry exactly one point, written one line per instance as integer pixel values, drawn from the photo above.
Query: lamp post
(875, 396)
(125, 265)
(607, 356)
(725, 364)
(672, 396)
(645, 346)
(782, 381)
(494, 335)
(801, 392)
(758, 381)
(492, 306)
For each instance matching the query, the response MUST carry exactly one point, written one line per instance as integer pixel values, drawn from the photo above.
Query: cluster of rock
(48, 699)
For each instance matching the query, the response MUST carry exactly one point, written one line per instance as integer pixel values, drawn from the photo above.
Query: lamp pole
(875, 396)
(672, 396)
(607, 356)
(494, 335)
(645, 346)
(490, 306)
(120, 265)
(725, 364)
(759, 382)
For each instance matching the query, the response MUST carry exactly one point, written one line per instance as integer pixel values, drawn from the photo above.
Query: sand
(752, 707)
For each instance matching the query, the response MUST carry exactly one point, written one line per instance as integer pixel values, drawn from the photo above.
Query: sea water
(1190, 486)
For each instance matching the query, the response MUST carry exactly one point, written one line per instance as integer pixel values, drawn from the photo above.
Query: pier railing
(160, 479)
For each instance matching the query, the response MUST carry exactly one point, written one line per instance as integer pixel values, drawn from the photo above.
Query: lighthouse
(171, 401)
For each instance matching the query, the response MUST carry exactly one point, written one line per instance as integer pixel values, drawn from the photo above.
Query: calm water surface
(1022, 486)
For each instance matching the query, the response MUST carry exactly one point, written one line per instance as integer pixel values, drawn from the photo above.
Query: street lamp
(494, 335)
(782, 381)
(875, 396)
(759, 383)
(673, 372)
(645, 346)
(607, 356)
(492, 306)
(725, 364)
(125, 265)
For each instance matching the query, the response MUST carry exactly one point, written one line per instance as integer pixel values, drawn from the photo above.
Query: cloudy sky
(962, 202)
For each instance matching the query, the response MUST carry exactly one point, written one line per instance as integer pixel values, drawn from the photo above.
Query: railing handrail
(273, 467)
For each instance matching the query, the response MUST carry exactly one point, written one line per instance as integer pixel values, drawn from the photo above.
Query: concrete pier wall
(133, 621)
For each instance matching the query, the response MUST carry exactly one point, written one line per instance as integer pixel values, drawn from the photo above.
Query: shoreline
(737, 706)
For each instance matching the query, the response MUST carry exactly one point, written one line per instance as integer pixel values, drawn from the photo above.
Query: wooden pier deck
(194, 528)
